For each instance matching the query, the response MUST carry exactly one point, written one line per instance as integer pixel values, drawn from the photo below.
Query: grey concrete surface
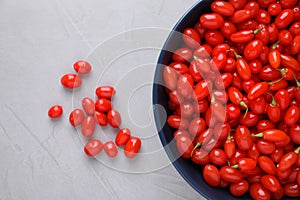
(42, 158)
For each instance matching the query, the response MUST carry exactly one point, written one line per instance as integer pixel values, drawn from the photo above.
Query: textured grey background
(42, 158)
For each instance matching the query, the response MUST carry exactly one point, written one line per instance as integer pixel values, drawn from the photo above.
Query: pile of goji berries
(97, 112)
(234, 97)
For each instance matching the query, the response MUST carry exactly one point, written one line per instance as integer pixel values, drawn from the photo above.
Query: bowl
(192, 173)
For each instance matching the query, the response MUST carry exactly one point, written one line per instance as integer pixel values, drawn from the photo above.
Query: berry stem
(258, 135)
(235, 166)
(273, 103)
(274, 46)
(237, 56)
(297, 82)
(258, 30)
(195, 147)
(297, 150)
(243, 104)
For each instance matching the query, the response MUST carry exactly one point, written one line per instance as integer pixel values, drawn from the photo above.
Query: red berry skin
(76, 117)
(55, 111)
(101, 118)
(88, 105)
(230, 174)
(88, 126)
(191, 38)
(265, 147)
(103, 105)
(295, 133)
(222, 7)
(199, 156)
(132, 147)
(282, 98)
(211, 175)
(289, 62)
(218, 157)
(246, 164)
(71, 81)
(276, 156)
(212, 21)
(238, 4)
(114, 118)
(93, 148)
(253, 49)
(182, 55)
(257, 90)
(184, 146)
(298, 178)
(292, 115)
(291, 189)
(106, 92)
(275, 135)
(170, 78)
(122, 137)
(284, 18)
(178, 122)
(110, 149)
(82, 67)
(270, 182)
(287, 161)
(242, 138)
(240, 16)
(239, 189)
(257, 191)
(267, 165)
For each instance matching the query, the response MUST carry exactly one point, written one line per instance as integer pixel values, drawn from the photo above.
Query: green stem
(273, 103)
(257, 135)
(195, 57)
(229, 136)
(274, 46)
(195, 147)
(297, 150)
(213, 98)
(277, 81)
(235, 53)
(297, 82)
(235, 166)
(258, 30)
(228, 163)
(283, 71)
(242, 103)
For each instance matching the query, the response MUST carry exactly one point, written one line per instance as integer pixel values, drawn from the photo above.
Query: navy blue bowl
(191, 172)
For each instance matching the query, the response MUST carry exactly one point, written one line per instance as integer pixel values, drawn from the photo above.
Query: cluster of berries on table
(93, 112)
